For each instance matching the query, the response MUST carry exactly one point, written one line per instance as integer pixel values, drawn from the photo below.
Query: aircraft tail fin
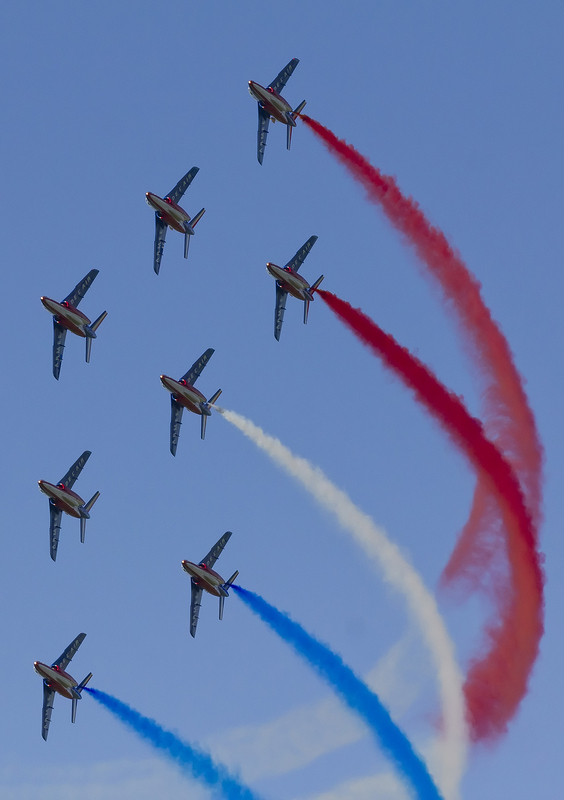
(78, 690)
(308, 300)
(291, 116)
(83, 683)
(206, 411)
(189, 226)
(225, 588)
(85, 514)
(214, 397)
(297, 111)
(227, 584)
(197, 218)
(90, 503)
(90, 331)
(97, 322)
(316, 284)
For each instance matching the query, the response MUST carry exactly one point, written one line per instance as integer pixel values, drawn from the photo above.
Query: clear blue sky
(105, 101)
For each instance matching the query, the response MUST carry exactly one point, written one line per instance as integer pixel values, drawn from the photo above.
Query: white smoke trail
(400, 574)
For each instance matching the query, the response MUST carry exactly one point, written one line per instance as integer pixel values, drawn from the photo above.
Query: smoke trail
(478, 558)
(195, 762)
(509, 419)
(496, 683)
(351, 689)
(400, 574)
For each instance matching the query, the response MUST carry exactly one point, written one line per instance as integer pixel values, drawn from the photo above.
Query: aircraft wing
(281, 296)
(281, 79)
(55, 515)
(59, 336)
(175, 423)
(65, 658)
(183, 184)
(300, 256)
(263, 120)
(48, 700)
(74, 298)
(216, 550)
(195, 603)
(73, 473)
(194, 372)
(160, 236)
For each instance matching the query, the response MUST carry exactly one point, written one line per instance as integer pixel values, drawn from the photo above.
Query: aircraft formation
(183, 394)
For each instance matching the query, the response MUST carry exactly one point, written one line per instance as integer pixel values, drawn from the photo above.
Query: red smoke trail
(497, 682)
(509, 420)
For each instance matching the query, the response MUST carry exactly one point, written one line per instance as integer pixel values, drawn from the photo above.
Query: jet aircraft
(289, 282)
(204, 578)
(169, 213)
(55, 679)
(272, 106)
(67, 317)
(184, 395)
(62, 498)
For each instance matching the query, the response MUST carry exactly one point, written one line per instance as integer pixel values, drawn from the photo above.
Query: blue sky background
(103, 102)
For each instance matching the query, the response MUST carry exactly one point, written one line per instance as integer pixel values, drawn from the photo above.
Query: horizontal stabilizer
(203, 428)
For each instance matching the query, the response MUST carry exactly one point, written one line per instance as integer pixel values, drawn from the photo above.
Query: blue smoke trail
(195, 762)
(351, 689)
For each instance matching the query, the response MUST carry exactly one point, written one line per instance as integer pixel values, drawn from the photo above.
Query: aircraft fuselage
(63, 498)
(66, 315)
(205, 578)
(57, 679)
(272, 102)
(290, 281)
(169, 211)
(186, 395)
